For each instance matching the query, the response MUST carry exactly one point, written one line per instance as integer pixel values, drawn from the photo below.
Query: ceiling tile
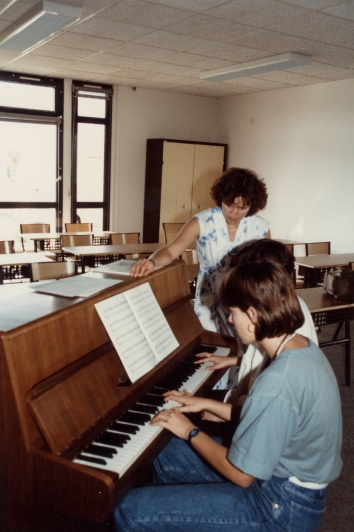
(83, 42)
(144, 13)
(110, 29)
(209, 28)
(255, 12)
(343, 10)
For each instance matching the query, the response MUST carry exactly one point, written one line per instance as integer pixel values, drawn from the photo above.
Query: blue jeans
(189, 496)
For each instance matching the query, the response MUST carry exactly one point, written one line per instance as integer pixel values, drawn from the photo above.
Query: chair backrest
(171, 230)
(190, 256)
(290, 247)
(318, 248)
(7, 246)
(76, 240)
(351, 265)
(42, 271)
(124, 238)
(78, 228)
(35, 228)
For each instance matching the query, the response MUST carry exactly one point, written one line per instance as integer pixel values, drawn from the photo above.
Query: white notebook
(138, 329)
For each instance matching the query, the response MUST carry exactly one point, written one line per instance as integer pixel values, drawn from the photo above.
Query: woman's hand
(190, 403)
(175, 422)
(218, 362)
(142, 268)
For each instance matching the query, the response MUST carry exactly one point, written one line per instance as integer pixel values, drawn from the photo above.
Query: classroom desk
(84, 252)
(39, 239)
(15, 260)
(313, 262)
(325, 310)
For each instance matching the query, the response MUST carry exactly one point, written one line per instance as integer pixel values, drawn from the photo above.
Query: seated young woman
(243, 370)
(286, 448)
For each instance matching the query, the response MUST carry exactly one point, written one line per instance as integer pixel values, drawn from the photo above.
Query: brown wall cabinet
(178, 178)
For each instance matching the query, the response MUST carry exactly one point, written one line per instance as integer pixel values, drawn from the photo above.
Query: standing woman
(286, 448)
(239, 194)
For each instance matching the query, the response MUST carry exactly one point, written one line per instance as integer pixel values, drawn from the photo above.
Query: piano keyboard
(121, 444)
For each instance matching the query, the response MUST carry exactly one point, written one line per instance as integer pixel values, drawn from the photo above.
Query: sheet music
(121, 267)
(77, 286)
(152, 320)
(138, 329)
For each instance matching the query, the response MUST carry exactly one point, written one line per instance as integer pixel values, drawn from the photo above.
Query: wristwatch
(192, 434)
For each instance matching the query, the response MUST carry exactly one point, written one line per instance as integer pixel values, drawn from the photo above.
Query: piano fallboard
(63, 385)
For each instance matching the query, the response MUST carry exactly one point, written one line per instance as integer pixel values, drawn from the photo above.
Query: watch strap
(192, 434)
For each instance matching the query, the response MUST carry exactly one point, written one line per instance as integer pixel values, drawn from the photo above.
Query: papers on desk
(121, 267)
(77, 286)
(138, 329)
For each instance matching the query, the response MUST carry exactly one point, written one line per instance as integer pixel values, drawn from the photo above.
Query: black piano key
(135, 417)
(99, 450)
(112, 438)
(158, 390)
(91, 459)
(147, 409)
(124, 427)
(156, 400)
(205, 349)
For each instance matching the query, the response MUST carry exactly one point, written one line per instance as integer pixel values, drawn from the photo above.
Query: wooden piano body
(61, 384)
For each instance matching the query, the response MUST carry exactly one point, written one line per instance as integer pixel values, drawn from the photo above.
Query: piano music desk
(61, 385)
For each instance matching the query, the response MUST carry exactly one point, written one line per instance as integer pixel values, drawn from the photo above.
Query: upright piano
(63, 387)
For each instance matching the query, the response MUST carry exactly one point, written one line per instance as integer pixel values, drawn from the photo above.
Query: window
(30, 152)
(92, 115)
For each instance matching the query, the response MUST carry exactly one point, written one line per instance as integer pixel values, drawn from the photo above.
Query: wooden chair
(190, 257)
(318, 248)
(73, 241)
(76, 240)
(42, 271)
(78, 228)
(316, 277)
(117, 239)
(124, 238)
(33, 228)
(171, 229)
(7, 246)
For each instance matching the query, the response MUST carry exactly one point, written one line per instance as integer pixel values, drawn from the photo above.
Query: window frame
(107, 122)
(20, 114)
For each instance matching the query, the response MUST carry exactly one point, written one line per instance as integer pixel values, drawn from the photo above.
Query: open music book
(138, 329)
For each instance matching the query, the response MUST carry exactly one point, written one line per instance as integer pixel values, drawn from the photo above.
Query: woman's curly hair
(240, 183)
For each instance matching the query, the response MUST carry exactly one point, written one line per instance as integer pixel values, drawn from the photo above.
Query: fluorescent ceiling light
(260, 66)
(41, 22)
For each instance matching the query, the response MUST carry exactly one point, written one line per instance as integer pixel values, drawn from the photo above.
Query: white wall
(301, 141)
(142, 114)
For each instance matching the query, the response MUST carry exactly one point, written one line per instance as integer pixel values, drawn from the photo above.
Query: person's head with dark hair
(268, 290)
(265, 250)
(239, 183)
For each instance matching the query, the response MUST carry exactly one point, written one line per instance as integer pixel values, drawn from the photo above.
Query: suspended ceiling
(166, 44)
